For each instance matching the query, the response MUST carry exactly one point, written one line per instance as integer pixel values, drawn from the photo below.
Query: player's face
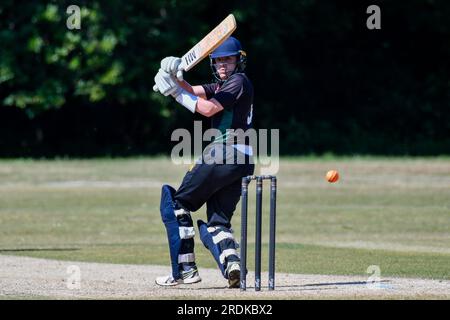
(225, 66)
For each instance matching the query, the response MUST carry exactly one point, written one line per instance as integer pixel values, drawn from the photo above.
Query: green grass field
(394, 213)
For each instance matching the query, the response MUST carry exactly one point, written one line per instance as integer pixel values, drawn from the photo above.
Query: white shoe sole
(166, 284)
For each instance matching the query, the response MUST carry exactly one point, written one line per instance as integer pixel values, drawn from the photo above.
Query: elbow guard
(187, 100)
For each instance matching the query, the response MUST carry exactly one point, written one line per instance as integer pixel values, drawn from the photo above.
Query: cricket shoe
(234, 275)
(187, 277)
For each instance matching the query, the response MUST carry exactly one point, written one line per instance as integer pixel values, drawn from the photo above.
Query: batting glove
(165, 83)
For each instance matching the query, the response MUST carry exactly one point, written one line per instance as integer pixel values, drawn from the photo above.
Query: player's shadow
(193, 287)
(352, 283)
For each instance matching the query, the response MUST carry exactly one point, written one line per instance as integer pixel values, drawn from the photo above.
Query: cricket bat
(209, 43)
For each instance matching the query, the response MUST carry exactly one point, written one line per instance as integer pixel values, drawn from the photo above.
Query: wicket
(273, 194)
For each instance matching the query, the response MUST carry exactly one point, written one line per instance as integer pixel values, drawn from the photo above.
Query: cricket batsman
(229, 103)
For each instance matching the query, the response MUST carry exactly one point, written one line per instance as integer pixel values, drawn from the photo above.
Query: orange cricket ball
(332, 176)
